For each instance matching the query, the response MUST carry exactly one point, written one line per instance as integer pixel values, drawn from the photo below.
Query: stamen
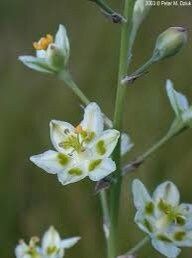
(78, 129)
(43, 43)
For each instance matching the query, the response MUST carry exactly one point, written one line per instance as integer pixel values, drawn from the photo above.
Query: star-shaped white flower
(51, 55)
(168, 223)
(80, 151)
(53, 246)
(180, 105)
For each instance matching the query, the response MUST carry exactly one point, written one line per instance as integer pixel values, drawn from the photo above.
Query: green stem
(120, 99)
(115, 17)
(138, 246)
(155, 147)
(144, 67)
(67, 78)
(104, 6)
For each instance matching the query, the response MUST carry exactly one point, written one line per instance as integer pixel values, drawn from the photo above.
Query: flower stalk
(67, 78)
(138, 246)
(120, 98)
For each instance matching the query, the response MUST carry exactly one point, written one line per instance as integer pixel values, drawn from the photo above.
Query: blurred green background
(31, 200)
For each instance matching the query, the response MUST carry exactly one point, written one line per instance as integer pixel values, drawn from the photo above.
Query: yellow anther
(43, 43)
(79, 129)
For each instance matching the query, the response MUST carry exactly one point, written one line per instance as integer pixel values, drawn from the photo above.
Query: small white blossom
(30, 250)
(179, 104)
(51, 55)
(168, 223)
(80, 151)
(53, 246)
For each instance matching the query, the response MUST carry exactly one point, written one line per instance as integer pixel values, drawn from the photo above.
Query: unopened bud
(140, 11)
(169, 43)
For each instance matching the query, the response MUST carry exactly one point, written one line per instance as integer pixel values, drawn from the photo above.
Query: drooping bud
(169, 43)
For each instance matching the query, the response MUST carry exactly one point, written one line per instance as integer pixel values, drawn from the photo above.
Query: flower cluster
(81, 151)
(163, 218)
(52, 246)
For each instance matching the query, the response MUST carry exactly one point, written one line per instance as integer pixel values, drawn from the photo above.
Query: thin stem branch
(67, 78)
(138, 246)
(131, 166)
(115, 17)
(176, 128)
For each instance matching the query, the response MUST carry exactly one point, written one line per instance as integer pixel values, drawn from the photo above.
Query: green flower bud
(169, 43)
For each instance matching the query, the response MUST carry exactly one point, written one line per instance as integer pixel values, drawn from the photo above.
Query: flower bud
(140, 11)
(169, 43)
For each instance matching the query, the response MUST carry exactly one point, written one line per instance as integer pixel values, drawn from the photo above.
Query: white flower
(51, 55)
(168, 223)
(179, 104)
(81, 151)
(53, 246)
(28, 251)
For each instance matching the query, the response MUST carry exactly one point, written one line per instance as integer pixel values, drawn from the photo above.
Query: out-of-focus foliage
(32, 200)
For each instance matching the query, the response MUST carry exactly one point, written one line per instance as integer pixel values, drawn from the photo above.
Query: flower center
(170, 215)
(43, 43)
(77, 140)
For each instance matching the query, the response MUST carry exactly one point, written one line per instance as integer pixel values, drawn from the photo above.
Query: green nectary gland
(164, 238)
(149, 208)
(179, 236)
(51, 250)
(100, 147)
(63, 159)
(75, 172)
(94, 164)
(148, 225)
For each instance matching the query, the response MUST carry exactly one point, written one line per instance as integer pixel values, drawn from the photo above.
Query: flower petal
(178, 101)
(69, 242)
(51, 161)
(140, 194)
(146, 224)
(186, 239)
(35, 63)
(168, 192)
(167, 249)
(51, 238)
(41, 53)
(73, 174)
(62, 41)
(59, 131)
(98, 169)
(104, 145)
(126, 144)
(93, 119)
